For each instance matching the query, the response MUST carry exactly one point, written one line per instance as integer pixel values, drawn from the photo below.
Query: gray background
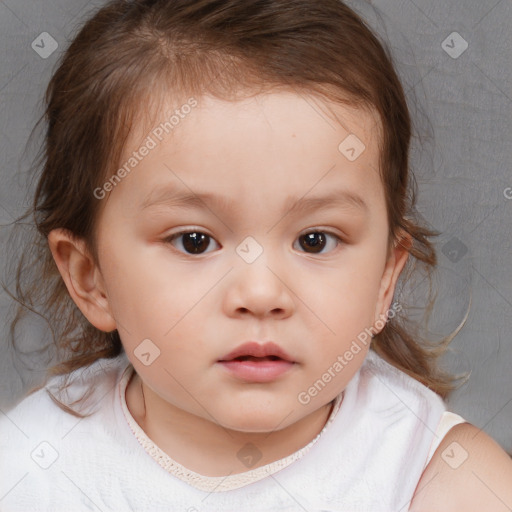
(463, 169)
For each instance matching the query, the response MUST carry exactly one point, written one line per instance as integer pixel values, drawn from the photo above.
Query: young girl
(224, 213)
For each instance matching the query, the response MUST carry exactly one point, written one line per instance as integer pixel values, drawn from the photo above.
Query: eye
(193, 242)
(318, 240)
(196, 242)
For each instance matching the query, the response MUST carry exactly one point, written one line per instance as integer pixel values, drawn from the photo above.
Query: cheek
(144, 300)
(170, 310)
(346, 297)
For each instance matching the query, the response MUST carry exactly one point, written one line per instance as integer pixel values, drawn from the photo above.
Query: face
(288, 246)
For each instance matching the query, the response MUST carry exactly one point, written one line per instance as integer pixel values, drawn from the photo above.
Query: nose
(260, 288)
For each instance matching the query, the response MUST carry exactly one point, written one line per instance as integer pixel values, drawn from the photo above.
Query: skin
(255, 152)
(481, 483)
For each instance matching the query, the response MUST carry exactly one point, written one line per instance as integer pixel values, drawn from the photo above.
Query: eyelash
(176, 235)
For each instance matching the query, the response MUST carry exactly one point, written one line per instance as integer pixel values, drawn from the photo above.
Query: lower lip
(257, 371)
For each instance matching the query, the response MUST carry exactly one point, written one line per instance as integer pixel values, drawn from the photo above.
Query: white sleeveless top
(380, 436)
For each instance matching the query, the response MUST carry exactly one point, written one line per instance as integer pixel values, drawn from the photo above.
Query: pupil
(194, 242)
(316, 241)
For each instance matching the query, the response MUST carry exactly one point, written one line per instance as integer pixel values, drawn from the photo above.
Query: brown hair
(132, 53)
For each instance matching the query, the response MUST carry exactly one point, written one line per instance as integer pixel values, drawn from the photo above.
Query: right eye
(192, 241)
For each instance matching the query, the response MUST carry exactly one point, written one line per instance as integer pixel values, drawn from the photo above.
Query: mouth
(253, 358)
(253, 362)
(255, 350)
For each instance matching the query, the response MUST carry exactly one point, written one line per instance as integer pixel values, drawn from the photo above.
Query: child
(225, 213)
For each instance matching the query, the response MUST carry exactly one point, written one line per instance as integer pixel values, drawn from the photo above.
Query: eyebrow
(173, 198)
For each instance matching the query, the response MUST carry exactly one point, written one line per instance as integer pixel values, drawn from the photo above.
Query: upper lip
(255, 349)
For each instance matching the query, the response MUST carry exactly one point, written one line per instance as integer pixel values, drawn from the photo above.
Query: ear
(82, 278)
(395, 263)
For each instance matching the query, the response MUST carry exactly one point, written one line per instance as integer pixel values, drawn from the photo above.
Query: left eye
(318, 240)
(194, 242)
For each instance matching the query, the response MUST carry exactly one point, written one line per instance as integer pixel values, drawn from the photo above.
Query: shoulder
(26, 432)
(388, 386)
(382, 371)
(40, 443)
(28, 412)
(469, 471)
(39, 414)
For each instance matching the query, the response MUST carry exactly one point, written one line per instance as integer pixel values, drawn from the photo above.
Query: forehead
(283, 103)
(265, 139)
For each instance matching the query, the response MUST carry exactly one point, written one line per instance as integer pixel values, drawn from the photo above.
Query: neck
(208, 448)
